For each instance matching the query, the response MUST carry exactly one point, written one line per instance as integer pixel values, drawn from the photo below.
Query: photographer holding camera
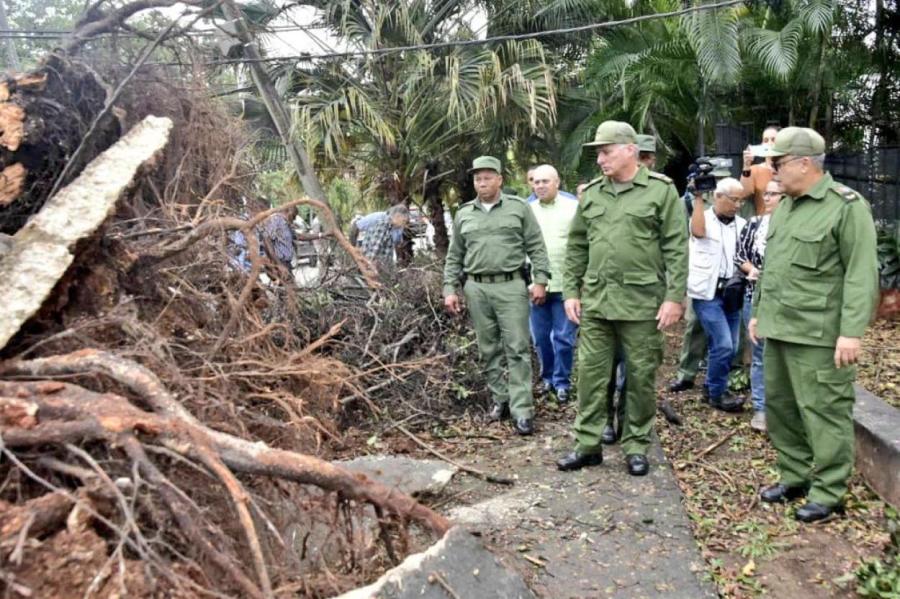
(693, 345)
(715, 286)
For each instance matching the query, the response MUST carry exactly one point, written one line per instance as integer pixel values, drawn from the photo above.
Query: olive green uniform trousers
(642, 345)
(809, 405)
(499, 314)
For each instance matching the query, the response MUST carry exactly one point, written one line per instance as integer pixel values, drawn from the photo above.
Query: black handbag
(731, 288)
(732, 291)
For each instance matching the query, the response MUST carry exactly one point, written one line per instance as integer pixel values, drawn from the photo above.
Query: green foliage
(346, 200)
(759, 541)
(879, 577)
(400, 116)
(889, 255)
(738, 380)
(278, 186)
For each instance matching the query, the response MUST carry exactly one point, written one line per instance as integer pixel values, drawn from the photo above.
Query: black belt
(502, 277)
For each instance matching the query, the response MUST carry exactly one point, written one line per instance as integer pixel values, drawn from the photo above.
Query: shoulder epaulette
(512, 197)
(593, 182)
(660, 176)
(847, 193)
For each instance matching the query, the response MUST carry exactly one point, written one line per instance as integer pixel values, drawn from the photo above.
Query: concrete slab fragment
(409, 475)
(456, 566)
(877, 427)
(40, 252)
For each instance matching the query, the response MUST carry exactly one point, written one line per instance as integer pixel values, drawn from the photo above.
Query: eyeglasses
(735, 199)
(777, 164)
(771, 193)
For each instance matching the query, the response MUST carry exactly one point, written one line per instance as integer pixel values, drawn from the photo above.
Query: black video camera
(700, 177)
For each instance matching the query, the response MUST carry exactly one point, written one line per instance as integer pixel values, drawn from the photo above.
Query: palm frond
(776, 50)
(816, 15)
(714, 36)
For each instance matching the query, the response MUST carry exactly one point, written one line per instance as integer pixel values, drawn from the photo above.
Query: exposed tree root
(67, 413)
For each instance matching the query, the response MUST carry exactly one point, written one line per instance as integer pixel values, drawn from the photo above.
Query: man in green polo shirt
(492, 236)
(816, 295)
(624, 281)
(553, 333)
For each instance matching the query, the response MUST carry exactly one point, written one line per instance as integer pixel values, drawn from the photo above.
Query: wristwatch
(745, 172)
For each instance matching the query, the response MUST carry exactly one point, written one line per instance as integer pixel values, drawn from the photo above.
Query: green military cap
(646, 143)
(797, 141)
(486, 163)
(613, 132)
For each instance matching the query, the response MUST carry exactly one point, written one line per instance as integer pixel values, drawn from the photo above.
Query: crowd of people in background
(781, 262)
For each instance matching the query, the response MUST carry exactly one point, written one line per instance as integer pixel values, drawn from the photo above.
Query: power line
(475, 42)
(61, 33)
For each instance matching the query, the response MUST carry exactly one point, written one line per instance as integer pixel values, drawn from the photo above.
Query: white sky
(313, 41)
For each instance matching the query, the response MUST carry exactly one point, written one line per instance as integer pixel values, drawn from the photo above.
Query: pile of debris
(167, 419)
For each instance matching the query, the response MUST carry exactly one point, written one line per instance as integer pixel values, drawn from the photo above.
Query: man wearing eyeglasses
(812, 304)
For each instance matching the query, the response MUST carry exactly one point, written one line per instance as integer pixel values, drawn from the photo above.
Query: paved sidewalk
(597, 532)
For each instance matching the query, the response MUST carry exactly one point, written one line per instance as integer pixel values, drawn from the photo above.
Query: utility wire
(61, 33)
(474, 42)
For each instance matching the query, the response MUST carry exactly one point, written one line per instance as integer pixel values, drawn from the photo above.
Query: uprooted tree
(165, 416)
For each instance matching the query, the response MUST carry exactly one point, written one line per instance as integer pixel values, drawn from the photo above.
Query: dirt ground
(753, 548)
(879, 369)
(748, 549)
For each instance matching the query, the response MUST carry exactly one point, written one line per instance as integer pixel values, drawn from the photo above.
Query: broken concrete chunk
(41, 250)
(409, 475)
(456, 566)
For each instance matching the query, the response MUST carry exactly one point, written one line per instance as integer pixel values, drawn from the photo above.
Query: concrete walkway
(597, 532)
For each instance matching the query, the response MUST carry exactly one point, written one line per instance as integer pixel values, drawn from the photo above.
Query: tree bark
(435, 206)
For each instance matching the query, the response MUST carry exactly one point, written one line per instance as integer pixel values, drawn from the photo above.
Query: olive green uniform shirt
(627, 250)
(820, 279)
(495, 241)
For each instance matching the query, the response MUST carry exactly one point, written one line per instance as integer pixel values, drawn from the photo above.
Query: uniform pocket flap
(640, 278)
(808, 237)
(836, 375)
(640, 211)
(592, 278)
(593, 211)
(509, 222)
(804, 301)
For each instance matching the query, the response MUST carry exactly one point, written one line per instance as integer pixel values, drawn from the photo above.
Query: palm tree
(410, 118)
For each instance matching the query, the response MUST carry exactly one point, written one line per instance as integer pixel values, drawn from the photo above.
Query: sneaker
(758, 422)
(545, 389)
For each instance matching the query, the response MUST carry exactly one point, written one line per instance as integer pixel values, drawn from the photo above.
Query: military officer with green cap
(624, 281)
(814, 300)
(615, 410)
(647, 150)
(492, 236)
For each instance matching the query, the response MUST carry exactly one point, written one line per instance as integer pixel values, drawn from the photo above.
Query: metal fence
(875, 172)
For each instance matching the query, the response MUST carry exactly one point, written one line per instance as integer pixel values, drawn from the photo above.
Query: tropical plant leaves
(777, 51)
(713, 35)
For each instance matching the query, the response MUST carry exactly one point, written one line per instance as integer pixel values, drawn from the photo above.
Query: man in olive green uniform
(492, 236)
(624, 281)
(816, 295)
(615, 410)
